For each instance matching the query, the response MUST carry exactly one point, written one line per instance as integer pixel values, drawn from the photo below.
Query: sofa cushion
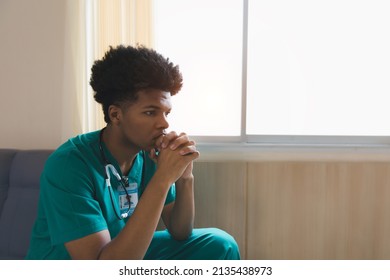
(20, 207)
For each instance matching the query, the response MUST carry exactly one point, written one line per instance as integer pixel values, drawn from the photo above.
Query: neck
(123, 152)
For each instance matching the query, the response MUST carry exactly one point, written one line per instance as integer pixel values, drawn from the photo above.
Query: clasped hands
(175, 154)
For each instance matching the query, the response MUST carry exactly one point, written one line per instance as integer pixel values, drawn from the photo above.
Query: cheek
(135, 125)
(136, 128)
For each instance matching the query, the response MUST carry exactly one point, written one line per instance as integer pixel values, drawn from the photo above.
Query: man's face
(145, 120)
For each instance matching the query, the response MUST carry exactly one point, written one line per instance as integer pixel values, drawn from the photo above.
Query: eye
(149, 113)
(167, 113)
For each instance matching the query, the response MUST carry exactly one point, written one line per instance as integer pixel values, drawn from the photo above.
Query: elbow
(181, 235)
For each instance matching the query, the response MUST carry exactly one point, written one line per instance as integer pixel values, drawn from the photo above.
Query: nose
(163, 122)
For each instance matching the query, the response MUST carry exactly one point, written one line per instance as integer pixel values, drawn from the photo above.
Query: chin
(148, 147)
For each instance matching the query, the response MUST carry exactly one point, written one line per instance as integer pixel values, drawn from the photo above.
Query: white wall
(36, 72)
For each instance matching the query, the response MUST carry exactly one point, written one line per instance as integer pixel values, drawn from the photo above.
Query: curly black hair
(125, 70)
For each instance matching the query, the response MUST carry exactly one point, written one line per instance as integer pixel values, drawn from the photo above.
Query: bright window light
(318, 68)
(314, 68)
(205, 39)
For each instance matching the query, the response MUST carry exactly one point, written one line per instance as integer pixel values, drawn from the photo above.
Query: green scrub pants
(203, 244)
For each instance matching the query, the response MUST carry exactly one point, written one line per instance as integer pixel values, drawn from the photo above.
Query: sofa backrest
(20, 206)
(6, 157)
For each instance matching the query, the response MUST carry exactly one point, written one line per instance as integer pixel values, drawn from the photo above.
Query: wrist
(163, 179)
(188, 180)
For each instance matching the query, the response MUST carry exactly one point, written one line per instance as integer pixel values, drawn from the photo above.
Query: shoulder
(74, 154)
(72, 168)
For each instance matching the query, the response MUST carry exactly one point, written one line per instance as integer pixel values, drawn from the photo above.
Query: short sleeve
(71, 209)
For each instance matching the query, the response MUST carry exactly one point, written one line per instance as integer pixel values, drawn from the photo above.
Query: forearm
(133, 241)
(183, 213)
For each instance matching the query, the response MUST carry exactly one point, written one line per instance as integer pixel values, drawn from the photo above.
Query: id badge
(124, 206)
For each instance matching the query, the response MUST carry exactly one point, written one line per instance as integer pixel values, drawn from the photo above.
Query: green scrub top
(75, 200)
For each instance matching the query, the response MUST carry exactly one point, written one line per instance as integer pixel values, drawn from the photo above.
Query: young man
(103, 193)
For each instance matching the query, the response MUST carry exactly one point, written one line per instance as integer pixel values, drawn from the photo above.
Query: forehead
(154, 98)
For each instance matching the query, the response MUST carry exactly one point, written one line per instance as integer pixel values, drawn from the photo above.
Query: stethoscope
(110, 169)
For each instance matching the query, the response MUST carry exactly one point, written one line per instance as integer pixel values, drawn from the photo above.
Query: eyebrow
(151, 107)
(154, 107)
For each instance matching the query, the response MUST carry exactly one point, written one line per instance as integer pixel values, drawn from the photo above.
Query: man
(103, 193)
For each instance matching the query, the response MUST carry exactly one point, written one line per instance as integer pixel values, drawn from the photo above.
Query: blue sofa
(20, 171)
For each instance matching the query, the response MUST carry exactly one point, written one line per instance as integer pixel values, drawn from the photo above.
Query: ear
(115, 114)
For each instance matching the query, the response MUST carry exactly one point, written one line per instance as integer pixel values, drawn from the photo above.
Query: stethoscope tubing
(108, 167)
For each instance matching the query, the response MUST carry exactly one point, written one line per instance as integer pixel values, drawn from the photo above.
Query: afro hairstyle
(125, 70)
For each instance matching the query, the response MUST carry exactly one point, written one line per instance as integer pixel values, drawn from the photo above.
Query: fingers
(171, 138)
(175, 154)
(174, 141)
(186, 150)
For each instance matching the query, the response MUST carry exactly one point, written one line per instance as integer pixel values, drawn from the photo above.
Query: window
(265, 72)
(318, 68)
(311, 71)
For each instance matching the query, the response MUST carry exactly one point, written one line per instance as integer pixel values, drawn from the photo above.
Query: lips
(158, 135)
